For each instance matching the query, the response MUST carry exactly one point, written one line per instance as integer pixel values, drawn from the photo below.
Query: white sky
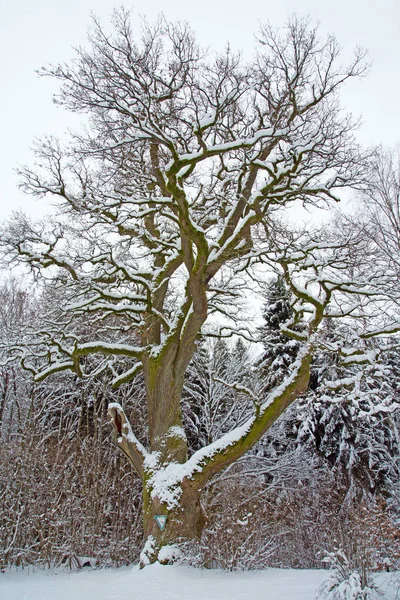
(33, 33)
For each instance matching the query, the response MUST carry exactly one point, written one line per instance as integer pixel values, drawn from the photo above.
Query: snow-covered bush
(239, 533)
(346, 582)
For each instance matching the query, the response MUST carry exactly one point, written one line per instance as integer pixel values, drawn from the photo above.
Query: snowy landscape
(170, 583)
(199, 344)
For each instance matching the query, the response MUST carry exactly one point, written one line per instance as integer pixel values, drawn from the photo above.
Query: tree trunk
(166, 526)
(172, 485)
(174, 515)
(163, 396)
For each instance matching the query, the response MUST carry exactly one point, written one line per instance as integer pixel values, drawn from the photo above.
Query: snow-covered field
(164, 583)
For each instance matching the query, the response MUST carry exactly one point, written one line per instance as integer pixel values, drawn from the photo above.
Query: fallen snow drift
(162, 583)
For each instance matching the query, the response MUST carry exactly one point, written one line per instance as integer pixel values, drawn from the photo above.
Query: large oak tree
(169, 202)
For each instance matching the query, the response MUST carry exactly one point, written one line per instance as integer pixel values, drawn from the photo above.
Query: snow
(109, 348)
(176, 432)
(126, 375)
(165, 484)
(159, 582)
(208, 119)
(148, 550)
(152, 460)
(53, 368)
(169, 554)
(216, 253)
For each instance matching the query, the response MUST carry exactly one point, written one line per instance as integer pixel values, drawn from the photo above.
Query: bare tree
(381, 205)
(169, 202)
(379, 218)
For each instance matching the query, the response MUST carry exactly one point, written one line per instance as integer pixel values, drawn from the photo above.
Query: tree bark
(184, 522)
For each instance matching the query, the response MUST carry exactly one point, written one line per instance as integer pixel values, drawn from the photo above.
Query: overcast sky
(33, 34)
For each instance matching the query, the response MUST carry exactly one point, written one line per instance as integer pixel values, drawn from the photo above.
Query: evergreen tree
(279, 350)
(351, 420)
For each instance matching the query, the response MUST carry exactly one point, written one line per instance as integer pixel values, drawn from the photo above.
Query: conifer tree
(279, 350)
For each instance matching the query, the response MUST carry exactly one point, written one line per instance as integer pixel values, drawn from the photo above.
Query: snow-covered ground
(164, 583)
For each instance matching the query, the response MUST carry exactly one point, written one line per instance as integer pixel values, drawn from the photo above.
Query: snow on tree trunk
(171, 487)
(184, 521)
